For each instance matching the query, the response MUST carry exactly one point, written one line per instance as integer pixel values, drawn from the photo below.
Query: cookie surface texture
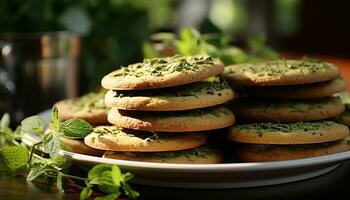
(117, 139)
(162, 72)
(266, 110)
(260, 152)
(177, 121)
(199, 155)
(281, 72)
(209, 92)
(288, 133)
(89, 107)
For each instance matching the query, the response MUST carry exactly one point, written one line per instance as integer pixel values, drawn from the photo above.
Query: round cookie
(280, 72)
(265, 110)
(344, 118)
(163, 72)
(78, 146)
(177, 121)
(113, 138)
(89, 107)
(209, 92)
(261, 152)
(199, 155)
(305, 91)
(291, 133)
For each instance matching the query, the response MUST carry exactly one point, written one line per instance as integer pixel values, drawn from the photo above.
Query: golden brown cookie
(261, 152)
(209, 92)
(281, 72)
(163, 72)
(89, 107)
(78, 146)
(305, 91)
(199, 155)
(113, 138)
(288, 133)
(176, 121)
(344, 118)
(267, 110)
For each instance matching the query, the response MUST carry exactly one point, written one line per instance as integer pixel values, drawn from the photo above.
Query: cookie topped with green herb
(90, 107)
(305, 91)
(281, 72)
(200, 155)
(113, 138)
(173, 121)
(163, 72)
(209, 92)
(268, 110)
(288, 133)
(263, 152)
(344, 118)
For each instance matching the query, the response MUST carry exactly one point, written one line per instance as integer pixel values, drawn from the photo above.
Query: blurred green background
(120, 32)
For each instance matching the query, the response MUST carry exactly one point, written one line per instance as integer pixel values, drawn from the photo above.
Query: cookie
(163, 72)
(344, 118)
(78, 146)
(288, 133)
(209, 92)
(199, 155)
(281, 72)
(113, 138)
(89, 107)
(261, 152)
(266, 110)
(176, 121)
(305, 91)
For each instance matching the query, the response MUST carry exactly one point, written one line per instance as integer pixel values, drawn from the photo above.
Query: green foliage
(75, 128)
(17, 158)
(191, 42)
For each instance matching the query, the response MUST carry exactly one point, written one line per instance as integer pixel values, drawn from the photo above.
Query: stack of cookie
(162, 110)
(285, 109)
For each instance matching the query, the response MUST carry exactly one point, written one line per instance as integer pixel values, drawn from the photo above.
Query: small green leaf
(33, 124)
(116, 175)
(4, 122)
(14, 157)
(112, 196)
(85, 193)
(54, 122)
(126, 187)
(51, 142)
(75, 128)
(35, 171)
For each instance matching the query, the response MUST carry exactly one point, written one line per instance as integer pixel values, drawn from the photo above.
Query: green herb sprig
(17, 158)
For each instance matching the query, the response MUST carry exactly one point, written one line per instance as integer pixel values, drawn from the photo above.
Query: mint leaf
(85, 193)
(33, 124)
(75, 128)
(116, 175)
(54, 122)
(129, 192)
(4, 122)
(35, 171)
(52, 143)
(112, 196)
(14, 157)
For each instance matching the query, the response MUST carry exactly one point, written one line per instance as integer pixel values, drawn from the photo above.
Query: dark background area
(113, 32)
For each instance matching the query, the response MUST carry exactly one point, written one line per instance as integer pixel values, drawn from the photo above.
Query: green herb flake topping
(89, 102)
(163, 66)
(213, 86)
(285, 127)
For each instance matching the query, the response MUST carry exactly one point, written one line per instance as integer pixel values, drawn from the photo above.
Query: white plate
(227, 175)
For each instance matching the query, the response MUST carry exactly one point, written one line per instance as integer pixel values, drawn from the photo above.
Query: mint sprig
(16, 157)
